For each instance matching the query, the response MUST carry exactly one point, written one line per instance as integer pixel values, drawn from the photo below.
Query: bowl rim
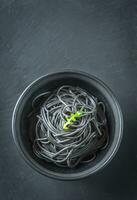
(58, 175)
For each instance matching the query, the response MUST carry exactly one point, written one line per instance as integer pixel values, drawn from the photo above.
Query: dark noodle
(71, 127)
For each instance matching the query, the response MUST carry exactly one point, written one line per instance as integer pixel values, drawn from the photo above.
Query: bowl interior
(24, 132)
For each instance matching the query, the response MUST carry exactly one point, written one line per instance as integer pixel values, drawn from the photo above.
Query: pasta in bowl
(67, 125)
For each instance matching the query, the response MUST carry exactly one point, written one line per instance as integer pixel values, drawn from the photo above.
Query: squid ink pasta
(71, 127)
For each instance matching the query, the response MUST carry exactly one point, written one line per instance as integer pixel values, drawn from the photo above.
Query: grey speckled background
(42, 36)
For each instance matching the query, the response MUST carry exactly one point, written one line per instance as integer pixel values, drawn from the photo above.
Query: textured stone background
(42, 36)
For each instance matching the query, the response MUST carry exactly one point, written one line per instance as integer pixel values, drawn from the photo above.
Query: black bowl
(20, 125)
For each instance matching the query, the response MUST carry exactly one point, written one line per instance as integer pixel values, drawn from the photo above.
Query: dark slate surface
(42, 36)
